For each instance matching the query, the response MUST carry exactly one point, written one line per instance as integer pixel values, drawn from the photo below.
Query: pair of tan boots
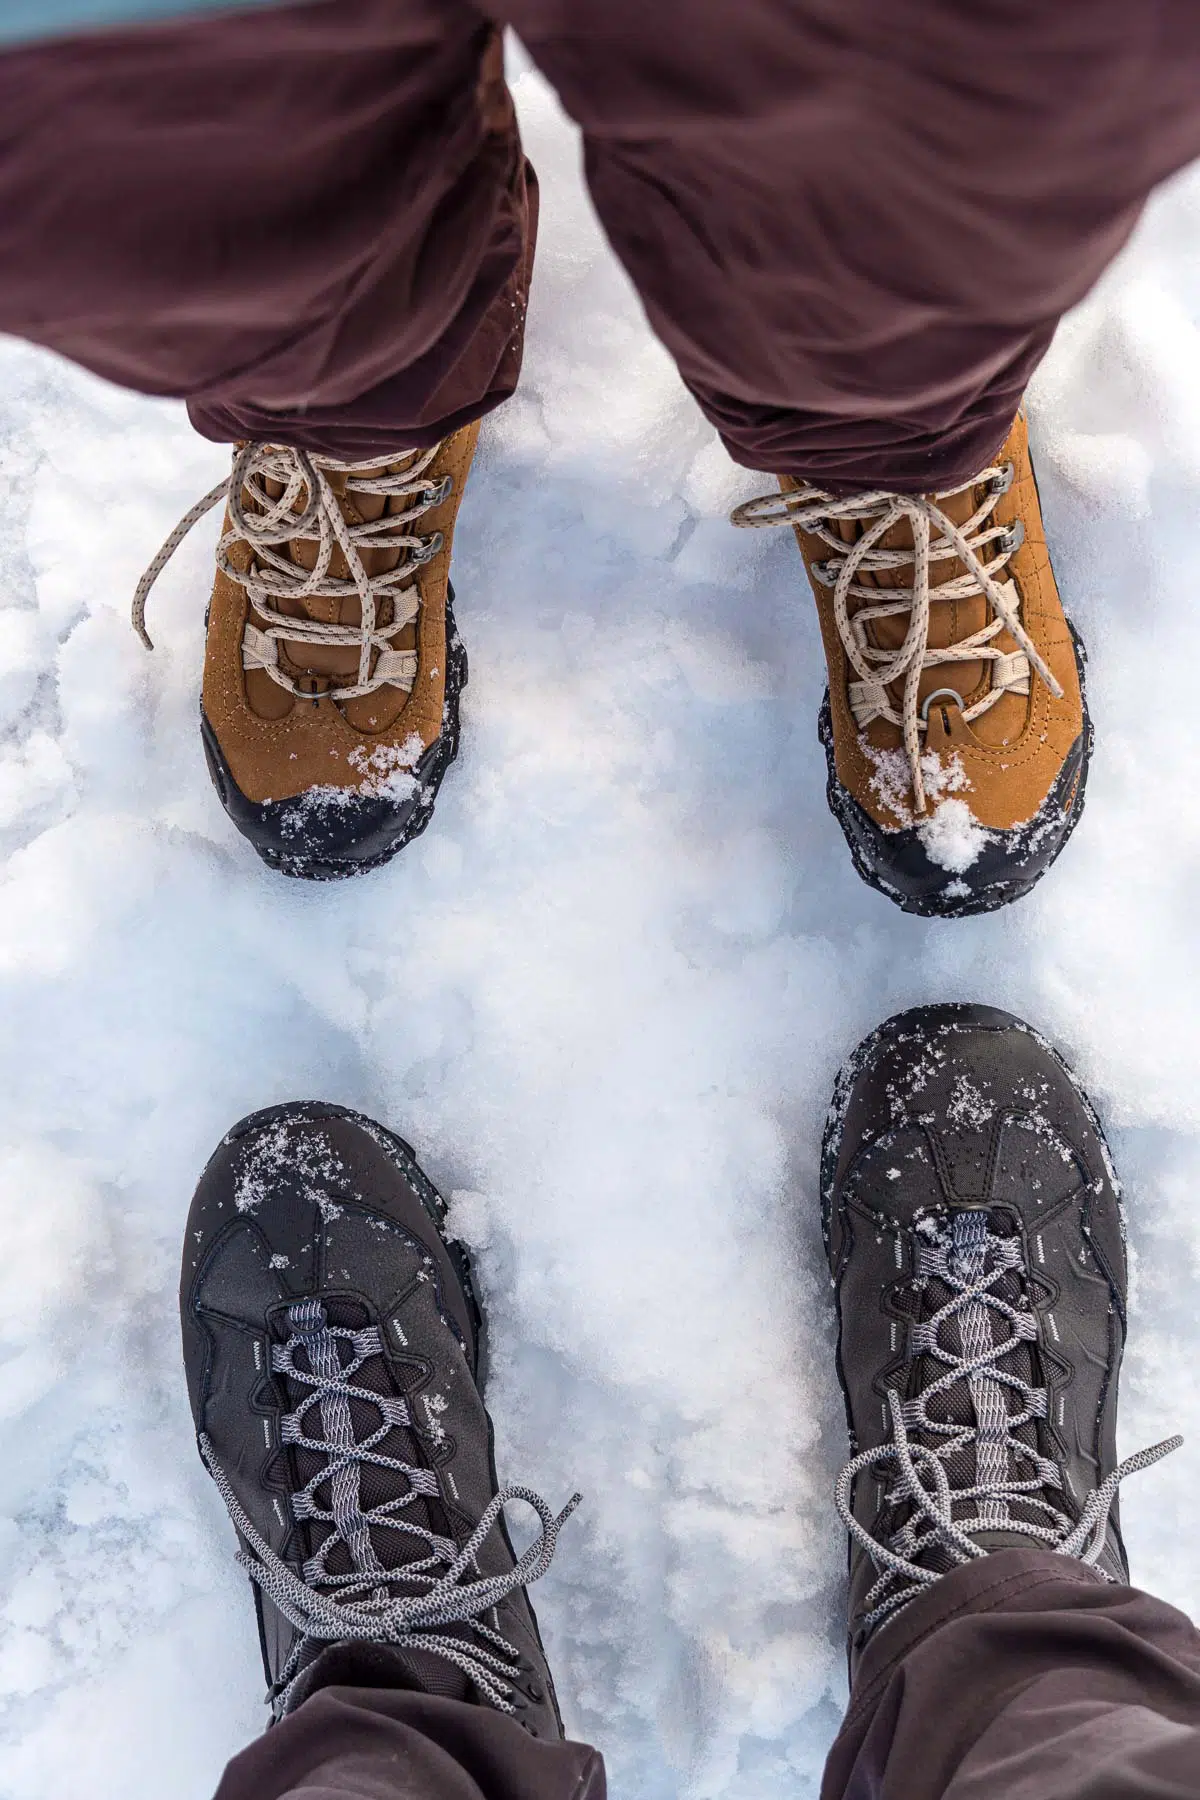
(955, 728)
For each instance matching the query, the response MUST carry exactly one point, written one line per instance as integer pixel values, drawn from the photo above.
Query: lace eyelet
(1001, 483)
(945, 693)
(1012, 540)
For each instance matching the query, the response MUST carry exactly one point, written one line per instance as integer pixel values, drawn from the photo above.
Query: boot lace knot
(361, 1604)
(960, 1470)
(307, 506)
(980, 544)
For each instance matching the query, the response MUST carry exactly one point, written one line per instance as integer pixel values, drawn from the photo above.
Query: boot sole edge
(857, 825)
(429, 774)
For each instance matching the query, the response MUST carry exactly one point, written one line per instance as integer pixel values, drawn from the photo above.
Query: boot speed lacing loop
(360, 1606)
(984, 548)
(270, 523)
(1010, 1475)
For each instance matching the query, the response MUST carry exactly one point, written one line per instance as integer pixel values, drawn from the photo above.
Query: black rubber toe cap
(959, 1070)
(1008, 864)
(294, 1177)
(330, 833)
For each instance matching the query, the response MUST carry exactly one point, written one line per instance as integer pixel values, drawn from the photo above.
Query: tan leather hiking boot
(333, 667)
(954, 725)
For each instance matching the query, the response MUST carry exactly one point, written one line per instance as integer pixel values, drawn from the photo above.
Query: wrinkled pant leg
(855, 223)
(367, 1737)
(1024, 1677)
(312, 222)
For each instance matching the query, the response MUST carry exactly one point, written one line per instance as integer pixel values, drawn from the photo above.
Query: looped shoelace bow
(983, 547)
(274, 576)
(971, 1261)
(358, 1606)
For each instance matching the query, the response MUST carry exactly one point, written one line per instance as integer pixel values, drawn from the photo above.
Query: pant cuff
(986, 1585)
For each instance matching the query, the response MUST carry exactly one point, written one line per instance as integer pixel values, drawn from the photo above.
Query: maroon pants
(1020, 1677)
(854, 222)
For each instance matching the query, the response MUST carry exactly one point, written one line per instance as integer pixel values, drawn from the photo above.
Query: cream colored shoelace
(274, 576)
(983, 546)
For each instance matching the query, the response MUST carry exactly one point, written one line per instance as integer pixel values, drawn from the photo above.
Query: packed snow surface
(605, 996)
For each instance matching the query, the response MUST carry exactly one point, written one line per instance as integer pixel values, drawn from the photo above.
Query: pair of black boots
(336, 1358)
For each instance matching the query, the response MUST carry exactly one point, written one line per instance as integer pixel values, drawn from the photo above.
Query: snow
(892, 785)
(605, 996)
(952, 836)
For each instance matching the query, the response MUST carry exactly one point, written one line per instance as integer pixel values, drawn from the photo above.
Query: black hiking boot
(334, 1352)
(976, 1241)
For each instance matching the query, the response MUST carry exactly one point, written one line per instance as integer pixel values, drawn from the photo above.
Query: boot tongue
(432, 1674)
(393, 1549)
(339, 660)
(955, 1404)
(949, 621)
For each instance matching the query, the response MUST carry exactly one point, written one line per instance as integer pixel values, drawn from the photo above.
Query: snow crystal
(952, 836)
(434, 1405)
(604, 996)
(968, 1108)
(892, 781)
(386, 771)
(276, 1152)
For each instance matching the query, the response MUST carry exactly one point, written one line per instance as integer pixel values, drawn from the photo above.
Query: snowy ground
(605, 996)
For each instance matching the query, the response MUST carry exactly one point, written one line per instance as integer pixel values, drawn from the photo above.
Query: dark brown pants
(1021, 1677)
(855, 223)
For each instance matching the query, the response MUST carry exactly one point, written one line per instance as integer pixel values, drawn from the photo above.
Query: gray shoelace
(358, 1606)
(271, 524)
(1008, 1492)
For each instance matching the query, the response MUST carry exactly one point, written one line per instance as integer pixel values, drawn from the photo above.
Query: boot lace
(983, 546)
(271, 523)
(359, 1606)
(1008, 1491)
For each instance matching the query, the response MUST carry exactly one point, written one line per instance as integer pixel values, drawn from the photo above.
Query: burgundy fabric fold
(854, 223)
(1017, 1677)
(1022, 1676)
